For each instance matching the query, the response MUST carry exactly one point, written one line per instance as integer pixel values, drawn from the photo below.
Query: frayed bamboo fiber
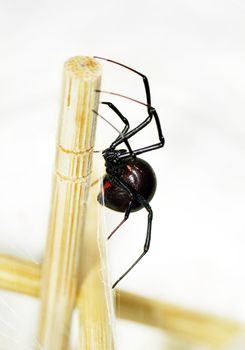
(207, 330)
(73, 166)
(95, 304)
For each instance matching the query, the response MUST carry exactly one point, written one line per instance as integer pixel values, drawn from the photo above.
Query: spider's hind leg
(127, 189)
(136, 197)
(126, 215)
(147, 240)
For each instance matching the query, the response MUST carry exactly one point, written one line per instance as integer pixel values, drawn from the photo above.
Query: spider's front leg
(150, 110)
(152, 114)
(121, 138)
(123, 119)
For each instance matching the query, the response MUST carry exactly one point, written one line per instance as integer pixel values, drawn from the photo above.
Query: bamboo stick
(196, 327)
(19, 275)
(59, 275)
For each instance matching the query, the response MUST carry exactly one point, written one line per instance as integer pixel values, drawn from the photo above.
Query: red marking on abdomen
(106, 185)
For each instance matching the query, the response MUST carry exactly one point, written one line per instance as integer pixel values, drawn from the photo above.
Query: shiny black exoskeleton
(134, 172)
(130, 182)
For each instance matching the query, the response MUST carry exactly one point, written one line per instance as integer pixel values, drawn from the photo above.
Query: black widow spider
(130, 182)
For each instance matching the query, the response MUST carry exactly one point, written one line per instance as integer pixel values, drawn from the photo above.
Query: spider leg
(126, 127)
(126, 215)
(151, 113)
(146, 205)
(123, 119)
(139, 128)
(135, 196)
(127, 189)
(121, 134)
(145, 80)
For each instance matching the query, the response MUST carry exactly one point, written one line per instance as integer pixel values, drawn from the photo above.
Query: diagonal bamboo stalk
(19, 275)
(59, 275)
(23, 276)
(183, 323)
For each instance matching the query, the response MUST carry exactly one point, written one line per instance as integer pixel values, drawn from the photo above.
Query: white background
(193, 54)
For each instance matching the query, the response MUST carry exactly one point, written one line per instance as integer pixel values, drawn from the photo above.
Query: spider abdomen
(139, 176)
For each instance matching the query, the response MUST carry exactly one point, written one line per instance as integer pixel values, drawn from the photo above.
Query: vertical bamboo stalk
(59, 276)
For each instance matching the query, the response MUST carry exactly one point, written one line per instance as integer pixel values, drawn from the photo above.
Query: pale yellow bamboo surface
(73, 166)
(23, 276)
(19, 275)
(183, 323)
